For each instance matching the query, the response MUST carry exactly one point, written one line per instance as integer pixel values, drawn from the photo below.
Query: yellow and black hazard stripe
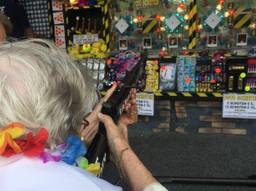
(150, 25)
(242, 18)
(106, 24)
(180, 95)
(193, 24)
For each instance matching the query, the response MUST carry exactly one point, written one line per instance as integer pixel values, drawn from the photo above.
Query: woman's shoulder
(32, 174)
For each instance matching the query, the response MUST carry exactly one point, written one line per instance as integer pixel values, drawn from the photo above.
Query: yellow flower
(8, 134)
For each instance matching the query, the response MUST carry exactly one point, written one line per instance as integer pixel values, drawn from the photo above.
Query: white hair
(41, 86)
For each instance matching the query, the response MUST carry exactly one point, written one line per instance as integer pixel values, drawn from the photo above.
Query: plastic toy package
(97, 70)
(186, 74)
(117, 67)
(152, 76)
(167, 76)
(203, 76)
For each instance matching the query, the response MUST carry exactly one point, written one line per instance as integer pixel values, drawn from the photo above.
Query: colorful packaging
(167, 76)
(152, 76)
(186, 74)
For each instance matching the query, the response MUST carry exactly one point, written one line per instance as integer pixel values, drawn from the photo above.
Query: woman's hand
(136, 174)
(115, 135)
(90, 124)
(130, 115)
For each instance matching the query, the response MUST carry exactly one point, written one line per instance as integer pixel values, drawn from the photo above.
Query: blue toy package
(186, 74)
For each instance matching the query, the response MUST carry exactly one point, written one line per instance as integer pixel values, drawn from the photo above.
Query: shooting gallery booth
(196, 95)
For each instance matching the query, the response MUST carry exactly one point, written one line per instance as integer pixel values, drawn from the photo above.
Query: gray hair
(41, 86)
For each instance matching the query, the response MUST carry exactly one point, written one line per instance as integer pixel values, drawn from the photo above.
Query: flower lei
(15, 139)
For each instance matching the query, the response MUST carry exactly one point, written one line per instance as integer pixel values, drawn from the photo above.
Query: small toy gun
(97, 152)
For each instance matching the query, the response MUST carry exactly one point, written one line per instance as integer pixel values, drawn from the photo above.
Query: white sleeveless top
(31, 174)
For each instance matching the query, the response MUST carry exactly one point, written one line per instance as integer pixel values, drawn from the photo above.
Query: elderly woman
(45, 97)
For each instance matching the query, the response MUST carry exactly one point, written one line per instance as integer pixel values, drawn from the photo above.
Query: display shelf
(188, 96)
(179, 96)
(251, 75)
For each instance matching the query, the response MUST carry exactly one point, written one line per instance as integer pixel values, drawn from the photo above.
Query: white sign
(239, 106)
(83, 39)
(146, 3)
(213, 20)
(122, 26)
(145, 104)
(173, 22)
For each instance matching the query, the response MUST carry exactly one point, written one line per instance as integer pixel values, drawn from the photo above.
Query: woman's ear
(2, 33)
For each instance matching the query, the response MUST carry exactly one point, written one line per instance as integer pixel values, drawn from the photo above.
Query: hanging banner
(193, 20)
(239, 106)
(146, 3)
(145, 104)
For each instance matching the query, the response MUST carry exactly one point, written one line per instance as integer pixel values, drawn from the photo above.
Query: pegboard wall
(38, 15)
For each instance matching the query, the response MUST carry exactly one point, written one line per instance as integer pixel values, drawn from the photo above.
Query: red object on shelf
(188, 80)
(251, 61)
(140, 18)
(158, 17)
(163, 53)
(185, 53)
(109, 61)
(231, 12)
(217, 70)
(155, 62)
(182, 6)
(221, 2)
(213, 81)
(158, 30)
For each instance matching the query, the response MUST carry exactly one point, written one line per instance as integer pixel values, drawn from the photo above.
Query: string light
(253, 26)
(181, 7)
(73, 2)
(200, 27)
(231, 12)
(162, 29)
(135, 20)
(162, 18)
(186, 17)
(158, 17)
(158, 30)
(219, 7)
(186, 27)
(226, 14)
(140, 18)
(179, 10)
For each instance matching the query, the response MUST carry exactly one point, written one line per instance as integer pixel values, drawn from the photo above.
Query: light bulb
(219, 7)
(135, 20)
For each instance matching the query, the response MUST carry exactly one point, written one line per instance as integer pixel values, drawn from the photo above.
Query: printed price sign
(82, 39)
(145, 104)
(239, 106)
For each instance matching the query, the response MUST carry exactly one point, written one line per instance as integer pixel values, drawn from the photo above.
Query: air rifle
(97, 152)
